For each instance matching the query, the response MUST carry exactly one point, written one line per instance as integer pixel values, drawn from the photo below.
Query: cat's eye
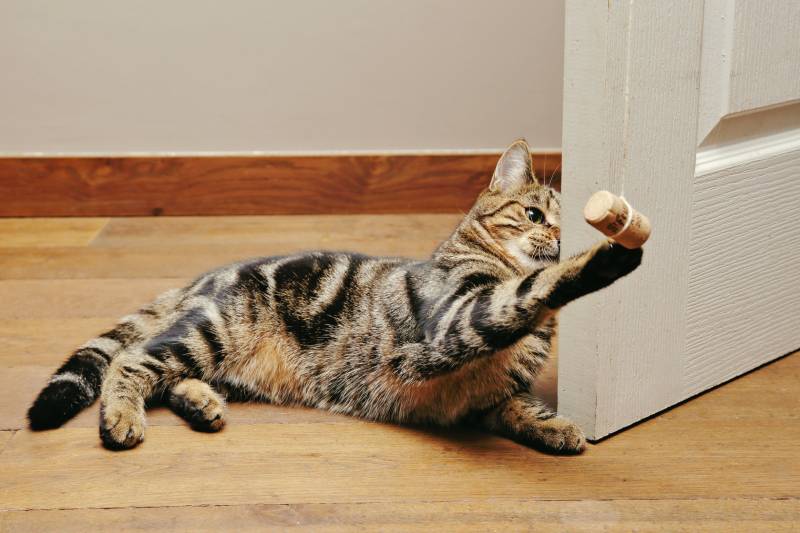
(534, 215)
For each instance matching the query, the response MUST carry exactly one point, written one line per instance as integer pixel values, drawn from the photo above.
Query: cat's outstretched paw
(611, 261)
(558, 435)
(122, 424)
(197, 403)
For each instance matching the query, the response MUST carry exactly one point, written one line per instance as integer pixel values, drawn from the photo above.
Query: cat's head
(522, 215)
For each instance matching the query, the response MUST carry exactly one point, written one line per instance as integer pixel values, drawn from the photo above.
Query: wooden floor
(727, 461)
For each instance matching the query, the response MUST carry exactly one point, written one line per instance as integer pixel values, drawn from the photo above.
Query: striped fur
(459, 337)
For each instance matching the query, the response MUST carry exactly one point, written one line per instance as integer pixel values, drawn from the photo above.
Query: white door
(691, 109)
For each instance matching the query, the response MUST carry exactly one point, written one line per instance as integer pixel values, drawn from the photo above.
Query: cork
(609, 213)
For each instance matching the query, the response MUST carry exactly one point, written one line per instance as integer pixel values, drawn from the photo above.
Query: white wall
(92, 76)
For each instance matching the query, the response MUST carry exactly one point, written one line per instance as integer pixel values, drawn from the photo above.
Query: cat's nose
(556, 232)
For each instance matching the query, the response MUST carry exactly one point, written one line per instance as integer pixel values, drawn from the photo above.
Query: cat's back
(300, 277)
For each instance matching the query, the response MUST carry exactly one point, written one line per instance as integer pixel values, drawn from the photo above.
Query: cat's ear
(514, 168)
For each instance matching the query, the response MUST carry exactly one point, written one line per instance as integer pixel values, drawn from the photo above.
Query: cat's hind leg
(189, 347)
(130, 382)
(197, 403)
(525, 419)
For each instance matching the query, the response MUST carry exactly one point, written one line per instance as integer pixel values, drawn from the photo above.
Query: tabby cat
(457, 338)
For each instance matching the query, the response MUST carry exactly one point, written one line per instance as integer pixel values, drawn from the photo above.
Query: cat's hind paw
(197, 403)
(122, 424)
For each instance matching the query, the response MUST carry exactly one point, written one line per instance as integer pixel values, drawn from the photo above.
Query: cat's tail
(76, 384)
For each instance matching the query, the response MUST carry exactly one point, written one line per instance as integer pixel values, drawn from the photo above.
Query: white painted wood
(743, 305)
(718, 20)
(750, 58)
(765, 55)
(640, 132)
(645, 84)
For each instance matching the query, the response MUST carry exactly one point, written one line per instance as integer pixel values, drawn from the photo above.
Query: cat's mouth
(550, 253)
(532, 256)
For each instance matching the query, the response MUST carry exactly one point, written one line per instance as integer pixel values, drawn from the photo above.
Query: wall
(190, 76)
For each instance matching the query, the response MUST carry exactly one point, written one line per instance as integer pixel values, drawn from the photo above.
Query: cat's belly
(268, 369)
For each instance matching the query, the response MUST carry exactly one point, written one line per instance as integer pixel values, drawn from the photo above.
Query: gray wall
(93, 76)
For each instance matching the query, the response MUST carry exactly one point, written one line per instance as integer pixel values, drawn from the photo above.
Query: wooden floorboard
(732, 516)
(49, 232)
(41, 341)
(78, 298)
(725, 461)
(302, 231)
(183, 247)
(360, 461)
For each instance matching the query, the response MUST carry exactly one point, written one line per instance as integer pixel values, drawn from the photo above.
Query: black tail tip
(57, 403)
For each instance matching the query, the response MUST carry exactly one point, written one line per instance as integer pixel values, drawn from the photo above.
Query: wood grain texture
(80, 298)
(5, 438)
(745, 516)
(49, 232)
(302, 231)
(743, 293)
(34, 341)
(267, 185)
(184, 247)
(359, 461)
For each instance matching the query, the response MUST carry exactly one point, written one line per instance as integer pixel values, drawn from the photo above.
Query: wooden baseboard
(248, 185)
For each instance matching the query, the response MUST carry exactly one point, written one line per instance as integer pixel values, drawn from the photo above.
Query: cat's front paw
(612, 261)
(558, 435)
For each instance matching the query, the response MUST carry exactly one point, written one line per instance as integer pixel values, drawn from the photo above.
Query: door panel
(765, 56)
(750, 58)
(743, 291)
(650, 92)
